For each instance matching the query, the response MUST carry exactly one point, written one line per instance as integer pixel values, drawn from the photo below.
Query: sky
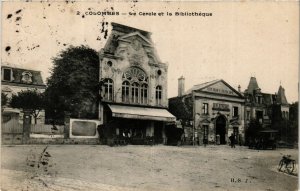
(239, 40)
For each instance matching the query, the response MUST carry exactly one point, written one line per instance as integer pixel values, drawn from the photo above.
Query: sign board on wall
(83, 128)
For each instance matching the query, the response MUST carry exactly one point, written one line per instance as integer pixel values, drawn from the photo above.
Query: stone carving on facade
(108, 71)
(122, 52)
(153, 74)
(26, 77)
(152, 60)
(135, 74)
(136, 44)
(137, 55)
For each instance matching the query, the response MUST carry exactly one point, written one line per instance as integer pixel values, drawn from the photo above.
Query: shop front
(136, 125)
(217, 112)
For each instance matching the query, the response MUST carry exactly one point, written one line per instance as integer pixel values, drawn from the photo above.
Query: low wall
(12, 139)
(17, 139)
(63, 141)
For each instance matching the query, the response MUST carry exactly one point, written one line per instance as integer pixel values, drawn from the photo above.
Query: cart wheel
(290, 167)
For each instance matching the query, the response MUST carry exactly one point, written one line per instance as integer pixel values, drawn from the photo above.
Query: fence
(12, 131)
(12, 126)
(47, 129)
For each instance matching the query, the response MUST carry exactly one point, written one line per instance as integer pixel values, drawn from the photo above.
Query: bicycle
(288, 163)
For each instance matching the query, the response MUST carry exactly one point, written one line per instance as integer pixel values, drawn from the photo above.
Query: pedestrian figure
(182, 139)
(205, 142)
(128, 137)
(232, 140)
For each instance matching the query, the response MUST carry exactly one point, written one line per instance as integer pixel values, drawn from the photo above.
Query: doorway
(236, 134)
(221, 129)
(158, 128)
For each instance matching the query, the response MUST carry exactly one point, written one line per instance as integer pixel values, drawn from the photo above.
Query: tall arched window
(144, 94)
(135, 92)
(158, 95)
(137, 79)
(125, 91)
(108, 89)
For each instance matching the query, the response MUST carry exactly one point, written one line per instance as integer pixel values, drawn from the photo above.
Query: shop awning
(143, 113)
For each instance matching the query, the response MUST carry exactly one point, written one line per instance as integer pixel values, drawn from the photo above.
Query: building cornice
(219, 97)
(23, 85)
(134, 105)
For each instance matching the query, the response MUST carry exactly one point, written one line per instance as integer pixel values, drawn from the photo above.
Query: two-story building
(210, 111)
(265, 108)
(133, 84)
(14, 80)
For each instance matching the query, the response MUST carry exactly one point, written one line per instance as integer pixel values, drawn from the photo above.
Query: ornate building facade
(266, 109)
(209, 112)
(133, 85)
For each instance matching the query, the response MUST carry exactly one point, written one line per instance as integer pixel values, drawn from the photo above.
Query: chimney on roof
(181, 86)
(239, 88)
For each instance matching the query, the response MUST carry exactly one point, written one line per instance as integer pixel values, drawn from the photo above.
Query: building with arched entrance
(209, 112)
(133, 83)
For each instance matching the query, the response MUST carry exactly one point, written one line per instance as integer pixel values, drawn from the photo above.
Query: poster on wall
(199, 95)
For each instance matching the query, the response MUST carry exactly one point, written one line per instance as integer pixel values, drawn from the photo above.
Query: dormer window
(7, 74)
(259, 99)
(27, 77)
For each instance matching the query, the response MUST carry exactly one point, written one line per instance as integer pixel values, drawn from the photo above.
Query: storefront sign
(222, 91)
(221, 107)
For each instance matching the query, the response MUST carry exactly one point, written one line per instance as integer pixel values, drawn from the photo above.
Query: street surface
(98, 167)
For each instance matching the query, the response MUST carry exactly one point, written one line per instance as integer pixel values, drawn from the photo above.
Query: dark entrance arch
(221, 128)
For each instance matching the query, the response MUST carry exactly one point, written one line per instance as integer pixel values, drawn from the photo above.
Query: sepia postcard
(149, 95)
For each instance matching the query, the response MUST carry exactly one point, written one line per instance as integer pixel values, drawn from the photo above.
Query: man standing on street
(232, 140)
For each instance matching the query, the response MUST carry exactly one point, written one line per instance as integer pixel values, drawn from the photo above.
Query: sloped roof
(210, 83)
(17, 76)
(124, 37)
(122, 31)
(281, 99)
(253, 85)
(200, 86)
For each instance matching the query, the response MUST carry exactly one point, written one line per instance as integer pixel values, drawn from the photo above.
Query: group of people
(126, 135)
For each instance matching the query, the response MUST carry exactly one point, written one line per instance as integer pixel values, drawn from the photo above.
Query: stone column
(26, 126)
(67, 125)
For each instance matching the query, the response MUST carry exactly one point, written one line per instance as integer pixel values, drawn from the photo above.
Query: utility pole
(194, 109)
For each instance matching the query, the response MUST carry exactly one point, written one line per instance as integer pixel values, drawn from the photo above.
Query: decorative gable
(137, 49)
(136, 39)
(221, 87)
